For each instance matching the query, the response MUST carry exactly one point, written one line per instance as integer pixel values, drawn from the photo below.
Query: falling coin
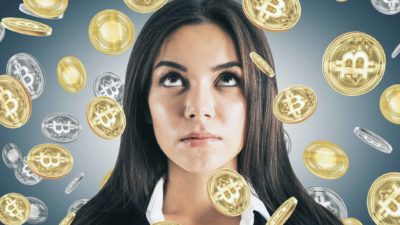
(25, 10)
(76, 205)
(262, 64)
(27, 27)
(74, 183)
(145, 6)
(71, 74)
(14, 209)
(68, 219)
(387, 7)
(105, 178)
(12, 156)
(395, 52)
(2, 32)
(47, 9)
(389, 104)
(282, 214)
(39, 211)
(328, 199)
(351, 221)
(373, 140)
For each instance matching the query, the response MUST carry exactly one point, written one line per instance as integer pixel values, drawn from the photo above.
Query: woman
(190, 71)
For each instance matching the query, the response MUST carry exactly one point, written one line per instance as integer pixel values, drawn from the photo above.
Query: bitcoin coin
(25, 10)
(354, 63)
(288, 142)
(47, 9)
(166, 223)
(109, 84)
(27, 68)
(262, 64)
(12, 156)
(27, 27)
(71, 74)
(325, 159)
(388, 7)
(277, 15)
(294, 104)
(383, 200)
(105, 178)
(111, 32)
(351, 221)
(282, 214)
(15, 102)
(39, 211)
(2, 32)
(389, 104)
(145, 6)
(50, 161)
(74, 183)
(106, 117)
(76, 205)
(25, 175)
(395, 52)
(14, 209)
(61, 127)
(341, 0)
(229, 192)
(68, 219)
(329, 199)
(373, 140)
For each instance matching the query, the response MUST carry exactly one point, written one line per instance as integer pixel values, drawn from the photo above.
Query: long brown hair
(263, 161)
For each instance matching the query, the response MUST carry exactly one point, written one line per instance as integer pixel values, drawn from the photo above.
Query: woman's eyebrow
(184, 69)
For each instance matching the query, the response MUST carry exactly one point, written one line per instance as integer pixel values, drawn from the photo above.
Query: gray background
(298, 57)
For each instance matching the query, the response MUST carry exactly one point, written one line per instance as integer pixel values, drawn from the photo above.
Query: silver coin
(74, 183)
(109, 84)
(288, 142)
(25, 175)
(61, 127)
(39, 211)
(25, 10)
(373, 140)
(396, 51)
(329, 199)
(75, 206)
(12, 156)
(2, 32)
(28, 69)
(388, 7)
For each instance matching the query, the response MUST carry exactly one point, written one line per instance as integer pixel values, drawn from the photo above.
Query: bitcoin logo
(270, 8)
(61, 128)
(111, 89)
(392, 3)
(26, 76)
(355, 66)
(48, 160)
(230, 192)
(294, 103)
(106, 118)
(328, 199)
(390, 204)
(9, 103)
(14, 209)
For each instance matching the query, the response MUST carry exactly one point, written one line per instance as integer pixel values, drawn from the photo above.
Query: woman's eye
(169, 79)
(172, 78)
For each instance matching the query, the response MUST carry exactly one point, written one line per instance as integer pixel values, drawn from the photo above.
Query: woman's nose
(200, 103)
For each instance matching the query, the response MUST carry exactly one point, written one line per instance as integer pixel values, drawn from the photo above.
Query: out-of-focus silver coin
(288, 142)
(388, 7)
(12, 156)
(396, 51)
(61, 127)
(2, 32)
(373, 140)
(329, 199)
(25, 175)
(109, 84)
(25, 10)
(39, 211)
(28, 69)
(74, 183)
(75, 206)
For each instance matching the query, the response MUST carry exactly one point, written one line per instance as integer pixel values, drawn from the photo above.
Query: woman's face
(195, 89)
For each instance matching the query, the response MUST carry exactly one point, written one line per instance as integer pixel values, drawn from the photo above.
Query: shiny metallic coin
(262, 64)
(39, 211)
(74, 183)
(46, 9)
(389, 104)
(351, 221)
(329, 199)
(61, 127)
(71, 74)
(395, 52)
(288, 142)
(373, 140)
(25, 10)
(2, 32)
(27, 68)
(27, 27)
(109, 84)
(105, 178)
(145, 6)
(388, 7)
(283, 213)
(76, 205)
(68, 219)
(14, 209)
(25, 175)
(12, 156)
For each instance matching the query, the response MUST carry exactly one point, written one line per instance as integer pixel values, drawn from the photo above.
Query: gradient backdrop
(298, 57)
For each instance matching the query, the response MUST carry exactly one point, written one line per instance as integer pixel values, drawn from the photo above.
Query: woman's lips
(200, 142)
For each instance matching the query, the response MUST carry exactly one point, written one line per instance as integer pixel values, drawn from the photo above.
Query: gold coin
(14, 209)
(383, 200)
(15, 102)
(294, 104)
(111, 32)
(68, 219)
(262, 64)
(282, 214)
(354, 63)
(276, 15)
(145, 6)
(25, 26)
(229, 192)
(105, 178)
(50, 161)
(325, 159)
(351, 221)
(390, 103)
(47, 9)
(166, 223)
(106, 117)
(71, 74)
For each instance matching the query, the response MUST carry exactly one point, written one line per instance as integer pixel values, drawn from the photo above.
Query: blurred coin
(329, 199)
(27, 68)
(166, 223)
(389, 104)
(373, 140)
(383, 200)
(39, 211)
(354, 63)
(341, 0)
(295, 104)
(111, 32)
(25, 175)
(288, 142)
(27, 27)
(71, 74)
(388, 7)
(25, 10)
(47, 9)
(109, 84)
(277, 15)
(105, 178)
(351, 221)
(14, 209)
(15, 102)
(282, 214)
(76, 205)
(12, 156)
(2, 32)
(74, 183)
(229, 192)
(68, 219)
(395, 52)
(262, 64)
(61, 127)
(145, 6)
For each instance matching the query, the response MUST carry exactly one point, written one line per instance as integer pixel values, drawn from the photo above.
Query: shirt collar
(154, 209)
